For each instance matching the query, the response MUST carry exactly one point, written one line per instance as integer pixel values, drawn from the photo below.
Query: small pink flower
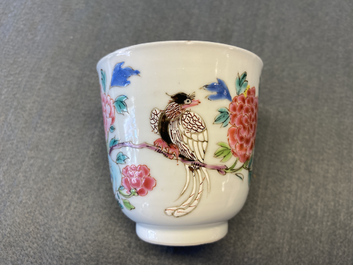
(108, 112)
(138, 178)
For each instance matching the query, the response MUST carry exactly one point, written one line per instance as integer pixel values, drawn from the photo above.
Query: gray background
(56, 202)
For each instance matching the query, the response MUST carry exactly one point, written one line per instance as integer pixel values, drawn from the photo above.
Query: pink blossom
(108, 112)
(138, 178)
(243, 118)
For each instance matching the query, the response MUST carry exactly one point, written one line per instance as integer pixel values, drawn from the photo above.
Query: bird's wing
(154, 118)
(189, 133)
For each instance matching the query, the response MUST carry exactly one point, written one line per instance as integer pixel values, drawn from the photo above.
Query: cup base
(183, 235)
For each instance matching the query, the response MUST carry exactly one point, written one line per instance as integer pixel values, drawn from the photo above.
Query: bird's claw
(171, 151)
(161, 144)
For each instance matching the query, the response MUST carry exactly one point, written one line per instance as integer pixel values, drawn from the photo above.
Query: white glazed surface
(182, 235)
(172, 67)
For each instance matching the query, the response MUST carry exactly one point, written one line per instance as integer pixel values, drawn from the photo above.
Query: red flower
(243, 118)
(108, 112)
(138, 178)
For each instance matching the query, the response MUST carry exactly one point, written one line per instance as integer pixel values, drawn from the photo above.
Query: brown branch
(221, 169)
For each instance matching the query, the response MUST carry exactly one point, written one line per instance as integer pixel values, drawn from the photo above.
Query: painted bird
(183, 135)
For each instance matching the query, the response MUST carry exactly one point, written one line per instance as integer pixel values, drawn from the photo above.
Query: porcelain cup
(180, 124)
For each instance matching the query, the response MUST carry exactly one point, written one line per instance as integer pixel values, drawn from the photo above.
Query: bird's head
(185, 100)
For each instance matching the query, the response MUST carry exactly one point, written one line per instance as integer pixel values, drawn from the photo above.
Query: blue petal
(215, 97)
(121, 207)
(120, 75)
(221, 90)
(226, 93)
(115, 174)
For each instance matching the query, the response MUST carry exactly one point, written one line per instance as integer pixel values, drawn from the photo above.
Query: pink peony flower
(243, 118)
(138, 178)
(108, 112)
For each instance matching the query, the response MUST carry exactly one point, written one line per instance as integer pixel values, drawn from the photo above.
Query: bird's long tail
(187, 180)
(204, 170)
(171, 210)
(192, 201)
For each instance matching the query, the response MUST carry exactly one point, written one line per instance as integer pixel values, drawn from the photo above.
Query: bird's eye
(187, 101)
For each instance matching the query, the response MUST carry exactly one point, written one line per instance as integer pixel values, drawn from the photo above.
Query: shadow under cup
(180, 124)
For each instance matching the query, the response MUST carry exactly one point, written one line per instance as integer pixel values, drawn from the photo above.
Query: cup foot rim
(181, 235)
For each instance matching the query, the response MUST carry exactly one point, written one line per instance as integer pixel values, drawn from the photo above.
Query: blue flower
(120, 75)
(221, 90)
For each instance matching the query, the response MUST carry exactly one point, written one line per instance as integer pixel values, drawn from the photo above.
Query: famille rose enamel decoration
(180, 124)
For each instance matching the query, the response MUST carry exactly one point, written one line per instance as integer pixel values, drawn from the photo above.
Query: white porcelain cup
(180, 122)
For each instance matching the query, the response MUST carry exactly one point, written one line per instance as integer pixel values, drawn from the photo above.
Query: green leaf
(223, 144)
(246, 163)
(224, 152)
(120, 158)
(128, 205)
(226, 122)
(133, 192)
(241, 83)
(251, 159)
(112, 129)
(113, 142)
(221, 152)
(120, 104)
(227, 157)
(223, 110)
(123, 192)
(222, 117)
(103, 79)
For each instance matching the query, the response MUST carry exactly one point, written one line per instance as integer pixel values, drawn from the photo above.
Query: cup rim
(187, 42)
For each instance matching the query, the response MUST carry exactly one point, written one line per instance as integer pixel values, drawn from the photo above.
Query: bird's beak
(194, 102)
